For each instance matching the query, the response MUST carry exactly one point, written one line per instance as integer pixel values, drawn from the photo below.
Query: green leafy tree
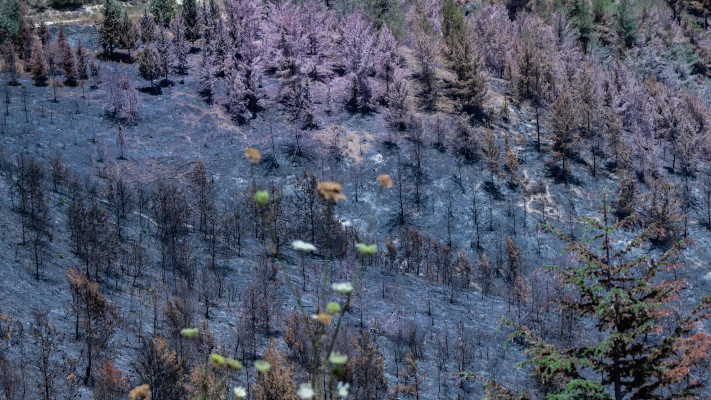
(390, 13)
(149, 64)
(111, 29)
(646, 348)
(163, 10)
(581, 14)
(128, 37)
(454, 28)
(471, 84)
(191, 15)
(627, 23)
(564, 130)
(10, 19)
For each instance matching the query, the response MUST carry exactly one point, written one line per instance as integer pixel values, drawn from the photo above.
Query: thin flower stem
(356, 282)
(282, 267)
(329, 217)
(318, 382)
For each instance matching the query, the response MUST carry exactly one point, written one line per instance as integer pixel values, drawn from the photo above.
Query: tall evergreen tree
(163, 10)
(10, 19)
(645, 348)
(627, 23)
(9, 65)
(39, 69)
(191, 15)
(581, 13)
(163, 46)
(149, 64)
(69, 64)
(180, 44)
(564, 130)
(147, 28)
(129, 34)
(111, 29)
(82, 62)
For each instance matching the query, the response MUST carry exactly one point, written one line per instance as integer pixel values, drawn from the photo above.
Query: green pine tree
(627, 23)
(163, 10)
(644, 347)
(191, 16)
(581, 14)
(111, 29)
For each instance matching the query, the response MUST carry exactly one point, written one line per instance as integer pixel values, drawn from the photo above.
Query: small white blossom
(337, 358)
(300, 245)
(239, 392)
(306, 391)
(342, 288)
(342, 389)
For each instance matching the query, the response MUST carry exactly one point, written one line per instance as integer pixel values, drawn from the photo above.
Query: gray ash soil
(177, 128)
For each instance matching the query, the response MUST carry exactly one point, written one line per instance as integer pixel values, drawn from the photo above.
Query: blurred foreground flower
(342, 389)
(300, 245)
(189, 333)
(262, 366)
(234, 364)
(239, 392)
(342, 288)
(253, 155)
(322, 318)
(306, 391)
(261, 197)
(385, 181)
(337, 358)
(142, 392)
(367, 249)
(330, 191)
(333, 308)
(217, 360)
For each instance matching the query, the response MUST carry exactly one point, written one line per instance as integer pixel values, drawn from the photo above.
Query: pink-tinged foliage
(298, 38)
(241, 58)
(358, 53)
(386, 59)
(243, 27)
(240, 91)
(316, 25)
(357, 44)
(181, 47)
(494, 37)
(206, 72)
(397, 100)
(284, 39)
(632, 104)
(121, 96)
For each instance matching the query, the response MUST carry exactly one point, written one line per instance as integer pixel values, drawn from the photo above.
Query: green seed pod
(367, 249)
(333, 308)
(262, 366)
(189, 333)
(234, 364)
(261, 197)
(217, 360)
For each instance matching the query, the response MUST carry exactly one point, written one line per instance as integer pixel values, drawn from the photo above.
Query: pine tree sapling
(149, 64)
(39, 69)
(111, 28)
